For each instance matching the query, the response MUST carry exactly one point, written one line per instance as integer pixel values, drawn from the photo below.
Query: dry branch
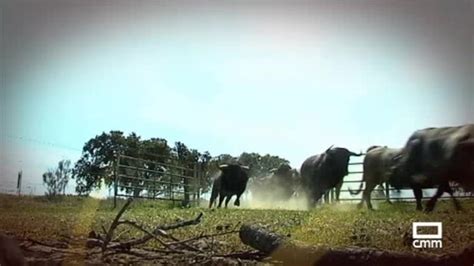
(280, 249)
(159, 230)
(181, 224)
(148, 235)
(203, 237)
(114, 224)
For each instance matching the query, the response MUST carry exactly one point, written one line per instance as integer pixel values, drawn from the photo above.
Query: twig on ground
(160, 230)
(181, 224)
(204, 236)
(114, 224)
(149, 235)
(247, 255)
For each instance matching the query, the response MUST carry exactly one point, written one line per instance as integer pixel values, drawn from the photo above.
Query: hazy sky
(280, 78)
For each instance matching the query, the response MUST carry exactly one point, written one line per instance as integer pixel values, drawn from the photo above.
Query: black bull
(436, 156)
(280, 185)
(376, 170)
(231, 181)
(320, 173)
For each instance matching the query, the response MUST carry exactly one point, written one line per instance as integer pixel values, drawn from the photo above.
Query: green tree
(253, 161)
(57, 179)
(260, 165)
(204, 164)
(98, 158)
(156, 151)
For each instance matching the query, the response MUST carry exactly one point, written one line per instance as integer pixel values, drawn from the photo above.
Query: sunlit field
(335, 225)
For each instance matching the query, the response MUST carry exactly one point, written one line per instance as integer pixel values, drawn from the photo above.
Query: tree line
(96, 166)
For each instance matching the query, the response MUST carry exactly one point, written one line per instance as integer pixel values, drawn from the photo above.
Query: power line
(45, 143)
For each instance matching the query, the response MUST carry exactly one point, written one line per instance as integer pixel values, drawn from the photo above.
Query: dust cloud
(294, 203)
(274, 197)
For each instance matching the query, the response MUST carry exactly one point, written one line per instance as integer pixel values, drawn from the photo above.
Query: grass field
(336, 225)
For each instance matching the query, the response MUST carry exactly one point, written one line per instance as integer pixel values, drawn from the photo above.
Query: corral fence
(156, 179)
(354, 179)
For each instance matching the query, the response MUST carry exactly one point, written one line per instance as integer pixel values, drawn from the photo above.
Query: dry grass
(335, 225)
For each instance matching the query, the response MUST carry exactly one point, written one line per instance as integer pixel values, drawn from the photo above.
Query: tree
(260, 165)
(56, 180)
(98, 157)
(187, 159)
(204, 164)
(156, 151)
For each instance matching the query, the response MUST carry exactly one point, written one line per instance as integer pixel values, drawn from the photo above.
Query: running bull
(320, 173)
(436, 156)
(231, 181)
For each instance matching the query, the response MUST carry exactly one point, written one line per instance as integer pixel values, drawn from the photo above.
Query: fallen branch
(159, 230)
(203, 237)
(195, 221)
(148, 235)
(280, 249)
(114, 224)
(247, 255)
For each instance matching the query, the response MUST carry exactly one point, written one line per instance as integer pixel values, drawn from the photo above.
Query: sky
(286, 78)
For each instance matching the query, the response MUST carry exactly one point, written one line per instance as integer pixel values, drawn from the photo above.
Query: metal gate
(154, 179)
(388, 193)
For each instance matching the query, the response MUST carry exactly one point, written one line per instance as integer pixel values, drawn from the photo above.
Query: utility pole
(18, 183)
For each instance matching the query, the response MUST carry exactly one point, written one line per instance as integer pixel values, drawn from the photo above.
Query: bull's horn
(330, 147)
(373, 147)
(223, 166)
(245, 167)
(397, 157)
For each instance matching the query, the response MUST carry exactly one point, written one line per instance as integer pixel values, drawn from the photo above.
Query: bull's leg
(432, 202)
(221, 198)
(227, 200)
(326, 196)
(386, 189)
(418, 196)
(366, 195)
(361, 203)
(316, 197)
(312, 198)
(455, 201)
(237, 201)
(211, 201)
(338, 190)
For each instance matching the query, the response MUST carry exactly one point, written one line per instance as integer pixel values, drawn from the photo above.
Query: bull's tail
(214, 193)
(356, 154)
(352, 192)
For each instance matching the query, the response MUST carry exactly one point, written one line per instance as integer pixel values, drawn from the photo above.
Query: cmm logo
(428, 240)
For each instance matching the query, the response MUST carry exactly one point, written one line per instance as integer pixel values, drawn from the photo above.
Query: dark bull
(231, 181)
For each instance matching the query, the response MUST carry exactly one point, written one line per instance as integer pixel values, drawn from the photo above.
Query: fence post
(199, 174)
(117, 164)
(197, 184)
(18, 183)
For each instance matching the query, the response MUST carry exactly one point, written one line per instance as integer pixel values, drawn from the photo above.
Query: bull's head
(397, 171)
(338, 159)
(224, 166)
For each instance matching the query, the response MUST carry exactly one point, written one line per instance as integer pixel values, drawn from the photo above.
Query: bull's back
(234, 181)
(443, 132)
(308, 168)
(377, 163)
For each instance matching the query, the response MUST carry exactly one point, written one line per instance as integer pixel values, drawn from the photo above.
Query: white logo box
(438, 225)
